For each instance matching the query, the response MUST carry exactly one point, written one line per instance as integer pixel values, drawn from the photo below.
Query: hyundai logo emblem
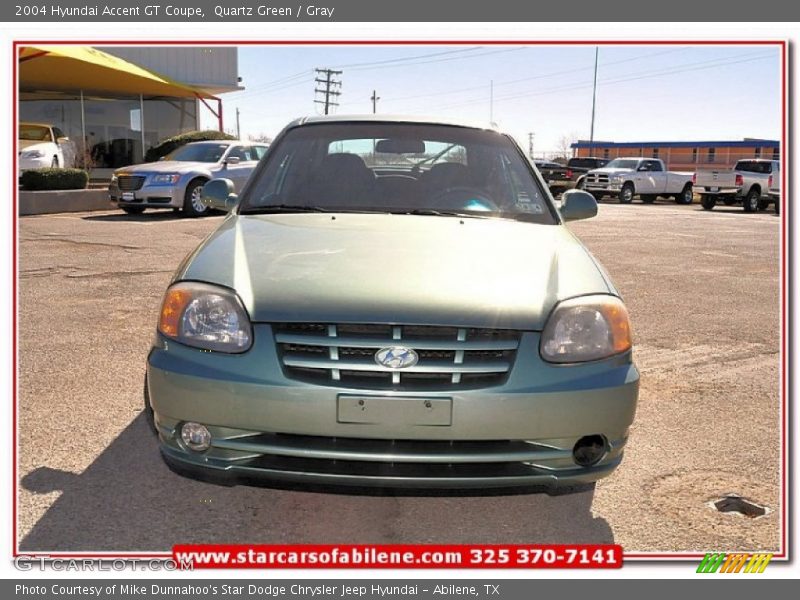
(396, 357)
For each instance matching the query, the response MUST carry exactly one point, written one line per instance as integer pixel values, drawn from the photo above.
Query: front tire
(192, 199)
(133, 210)
(708, 202)
(752, 200)
(777, 208)
(627, 193)
(686, 196)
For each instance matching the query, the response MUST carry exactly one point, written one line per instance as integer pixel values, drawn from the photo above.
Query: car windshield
(622, 163)
(35, 133)
(404, 168)
(208, 152)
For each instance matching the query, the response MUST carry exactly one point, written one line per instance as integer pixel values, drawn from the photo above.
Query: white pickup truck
(748, 183)
(643, 177)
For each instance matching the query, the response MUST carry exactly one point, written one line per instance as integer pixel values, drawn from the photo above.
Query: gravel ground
(703, 292)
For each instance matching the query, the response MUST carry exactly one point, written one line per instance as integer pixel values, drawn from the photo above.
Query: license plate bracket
(394, 410)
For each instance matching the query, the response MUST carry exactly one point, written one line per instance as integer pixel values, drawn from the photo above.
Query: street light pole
(594, 100)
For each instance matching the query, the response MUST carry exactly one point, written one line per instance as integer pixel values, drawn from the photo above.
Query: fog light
(196, 437)
(589, 450)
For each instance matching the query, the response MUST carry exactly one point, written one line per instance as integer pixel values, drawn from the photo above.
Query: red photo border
(783, 554)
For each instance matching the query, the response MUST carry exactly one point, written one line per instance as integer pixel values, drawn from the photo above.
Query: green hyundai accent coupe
(393, 302)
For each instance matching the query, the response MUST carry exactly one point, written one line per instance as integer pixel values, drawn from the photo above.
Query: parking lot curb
(48, 202)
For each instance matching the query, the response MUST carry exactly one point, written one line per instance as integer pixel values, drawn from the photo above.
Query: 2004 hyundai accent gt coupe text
(393, 302)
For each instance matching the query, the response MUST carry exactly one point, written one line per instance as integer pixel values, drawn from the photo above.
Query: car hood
(168, 166)
(605, 171)
(396, 269)
(34, 145)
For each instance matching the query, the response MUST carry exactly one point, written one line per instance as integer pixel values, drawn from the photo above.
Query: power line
(532, 78)
(406, 58)
(439, 60)
(633, 77)
(330, 91)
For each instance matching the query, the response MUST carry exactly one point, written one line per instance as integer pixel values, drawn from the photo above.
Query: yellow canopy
(74, 69)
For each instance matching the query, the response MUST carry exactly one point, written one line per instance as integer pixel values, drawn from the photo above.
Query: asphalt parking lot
(703, 292)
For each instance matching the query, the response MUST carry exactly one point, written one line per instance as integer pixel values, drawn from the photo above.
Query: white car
(42, 146)
(177, 180)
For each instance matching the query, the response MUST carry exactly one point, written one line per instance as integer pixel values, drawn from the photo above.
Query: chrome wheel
(197, 199)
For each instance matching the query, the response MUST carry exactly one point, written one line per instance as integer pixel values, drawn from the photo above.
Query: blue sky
(643, 93)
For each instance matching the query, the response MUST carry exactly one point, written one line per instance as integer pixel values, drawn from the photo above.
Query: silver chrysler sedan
(393, 302)
(177, 180)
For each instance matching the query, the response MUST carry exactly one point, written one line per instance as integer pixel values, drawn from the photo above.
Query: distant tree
(260, 137)
(564, 147)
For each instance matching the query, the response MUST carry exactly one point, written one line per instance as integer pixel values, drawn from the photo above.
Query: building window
(694, 155)
(758, 152)
(776, 154)
(606, 153)
(712, 154)
(655, 152)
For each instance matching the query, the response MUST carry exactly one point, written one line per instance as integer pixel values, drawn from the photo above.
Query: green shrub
(55, 179)
(166, 146)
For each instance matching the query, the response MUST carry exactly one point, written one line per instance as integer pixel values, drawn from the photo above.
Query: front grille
(596, 178)
(130, 183)
(344, 355)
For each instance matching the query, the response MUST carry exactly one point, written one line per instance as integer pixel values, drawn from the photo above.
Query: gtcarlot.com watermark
(45, 563)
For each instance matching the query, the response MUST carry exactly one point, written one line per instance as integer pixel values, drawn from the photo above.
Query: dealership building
(116, 102)
(683, 156)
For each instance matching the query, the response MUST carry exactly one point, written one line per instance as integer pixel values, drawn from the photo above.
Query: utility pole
(530, 145)
(374, 99)
(330, 90)
(238, 128)
(594, 101)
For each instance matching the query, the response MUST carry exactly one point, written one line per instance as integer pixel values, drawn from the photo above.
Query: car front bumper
(266, 426)
(150, 196)
(602, 188)
(26, 164)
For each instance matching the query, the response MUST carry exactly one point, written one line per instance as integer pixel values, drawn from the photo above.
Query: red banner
(398, 556)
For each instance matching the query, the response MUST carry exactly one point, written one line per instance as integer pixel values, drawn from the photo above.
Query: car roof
(367, 118)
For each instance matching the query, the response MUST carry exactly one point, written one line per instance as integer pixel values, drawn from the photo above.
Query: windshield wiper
(302, 208)
(282, 208)
(430, 212)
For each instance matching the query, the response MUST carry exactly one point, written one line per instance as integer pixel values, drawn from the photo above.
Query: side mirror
(62, 140)
(232, 160)
(643, 168)
(577, 204)
(218, 194)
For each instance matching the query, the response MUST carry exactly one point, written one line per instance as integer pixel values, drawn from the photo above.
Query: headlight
(113, 178)
(165, 178)
(33, 154)
(205, 316)
(617, 179)
(586, 328)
